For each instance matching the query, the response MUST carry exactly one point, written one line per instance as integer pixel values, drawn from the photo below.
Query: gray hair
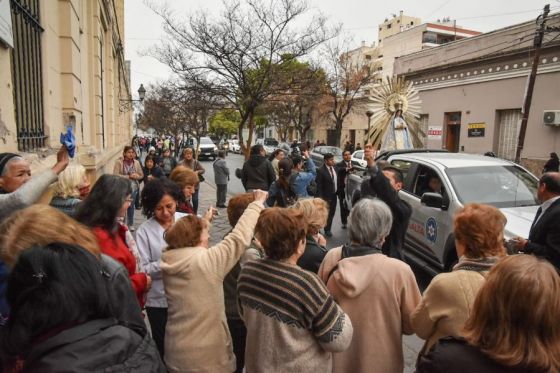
(7, 165)
(370, 222)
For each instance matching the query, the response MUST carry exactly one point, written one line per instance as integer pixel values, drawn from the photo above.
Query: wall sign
(434, 132)
(476, 129)
(6, 34)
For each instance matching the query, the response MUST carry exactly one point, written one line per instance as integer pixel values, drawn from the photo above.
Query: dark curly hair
(154, 191)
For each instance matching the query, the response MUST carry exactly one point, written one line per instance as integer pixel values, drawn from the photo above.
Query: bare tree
(347, 75)
(237, 50)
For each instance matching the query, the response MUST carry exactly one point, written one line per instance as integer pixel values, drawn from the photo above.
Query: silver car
(458, 179)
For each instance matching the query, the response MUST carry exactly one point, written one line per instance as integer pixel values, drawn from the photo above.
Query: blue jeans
(130, 210)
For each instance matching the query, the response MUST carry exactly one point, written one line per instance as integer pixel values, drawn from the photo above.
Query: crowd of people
(78, 286)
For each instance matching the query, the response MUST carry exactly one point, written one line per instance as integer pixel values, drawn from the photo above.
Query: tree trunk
(338, 131)
(251, 128)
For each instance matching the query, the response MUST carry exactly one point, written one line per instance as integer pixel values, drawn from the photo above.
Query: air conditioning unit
(551, 118)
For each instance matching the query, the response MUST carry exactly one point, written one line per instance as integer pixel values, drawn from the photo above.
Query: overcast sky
(359, 17)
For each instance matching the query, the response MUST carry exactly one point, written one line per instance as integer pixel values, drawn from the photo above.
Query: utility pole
(541, 27)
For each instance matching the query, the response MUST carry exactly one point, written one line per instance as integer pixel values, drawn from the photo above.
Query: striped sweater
(293, 323)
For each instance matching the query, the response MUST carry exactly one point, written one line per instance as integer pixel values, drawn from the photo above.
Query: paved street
(220, 227)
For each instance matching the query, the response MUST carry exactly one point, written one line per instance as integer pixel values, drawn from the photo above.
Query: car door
(429, 227)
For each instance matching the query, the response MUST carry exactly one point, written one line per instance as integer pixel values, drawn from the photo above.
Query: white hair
(369, 222)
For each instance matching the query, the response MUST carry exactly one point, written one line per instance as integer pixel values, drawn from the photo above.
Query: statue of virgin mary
(397, 136)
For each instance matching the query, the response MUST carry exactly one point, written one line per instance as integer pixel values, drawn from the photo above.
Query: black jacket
(455, 355)
(95, 346)
(341, 174)
(401, 210)
(257, 173)
(155, 171)
(544, 236)
(123, 298)
(551, 165)
(326, 188)
(312, 256)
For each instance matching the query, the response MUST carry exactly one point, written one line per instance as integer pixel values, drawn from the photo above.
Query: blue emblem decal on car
(431, 230)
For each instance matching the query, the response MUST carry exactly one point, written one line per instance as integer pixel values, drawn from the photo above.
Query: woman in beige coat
(196, 336)
(377, 292)
(448, 300)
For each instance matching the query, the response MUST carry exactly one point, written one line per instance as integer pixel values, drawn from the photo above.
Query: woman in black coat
(61, 318)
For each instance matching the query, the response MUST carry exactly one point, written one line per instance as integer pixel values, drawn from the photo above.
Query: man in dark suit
(544, 236)
(385, 185)
(326, 188)
(343, 168)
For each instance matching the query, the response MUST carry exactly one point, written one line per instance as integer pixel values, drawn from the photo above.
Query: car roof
(454, 160)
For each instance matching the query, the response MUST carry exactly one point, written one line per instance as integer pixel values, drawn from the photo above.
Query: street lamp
(127, 104)
(369, 114)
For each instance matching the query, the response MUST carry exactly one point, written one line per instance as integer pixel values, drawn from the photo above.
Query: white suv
(464, 178)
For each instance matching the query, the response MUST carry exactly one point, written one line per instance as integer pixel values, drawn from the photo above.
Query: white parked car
(234, 146)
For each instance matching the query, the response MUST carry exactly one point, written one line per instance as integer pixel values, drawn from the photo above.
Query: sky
(359, 18)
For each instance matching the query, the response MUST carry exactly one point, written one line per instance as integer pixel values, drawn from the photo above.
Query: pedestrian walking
(151, 170)
(276, 156)
(167, 162)
(326, 180)
(61, 317)
(257, 172)
(343, 168)
(189, 162)
(513, 326)
(159, 201)
(196, 336)
(448, 300)
(221, 178)
(552, 165)
(311, 326)
(129, 168)
(281, 193)
(378, 293)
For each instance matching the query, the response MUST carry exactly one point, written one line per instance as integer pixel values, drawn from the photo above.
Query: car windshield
(331, 149)
(270, 142)
(500, 186)
(206, 140)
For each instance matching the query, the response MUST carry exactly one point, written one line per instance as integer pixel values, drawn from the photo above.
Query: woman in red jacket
(108, 200)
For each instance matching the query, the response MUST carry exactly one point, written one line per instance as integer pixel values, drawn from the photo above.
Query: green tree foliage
(224, 123)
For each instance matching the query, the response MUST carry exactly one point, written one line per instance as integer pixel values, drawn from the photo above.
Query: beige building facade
(472, 92)
(66, 67)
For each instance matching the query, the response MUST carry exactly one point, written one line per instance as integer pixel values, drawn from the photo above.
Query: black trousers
(158, 319)
(343, 210)
(238, 333)
(331, 201)
(221, 193)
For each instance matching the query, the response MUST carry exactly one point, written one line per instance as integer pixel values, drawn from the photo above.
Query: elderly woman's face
(188, 156)
(17, 174)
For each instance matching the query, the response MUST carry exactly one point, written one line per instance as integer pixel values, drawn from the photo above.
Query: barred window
(27, 75)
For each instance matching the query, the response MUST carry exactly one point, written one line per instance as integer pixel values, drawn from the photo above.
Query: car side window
(427, 181)
(359, 155)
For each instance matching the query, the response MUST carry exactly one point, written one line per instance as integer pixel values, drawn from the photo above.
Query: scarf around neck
(476, 264)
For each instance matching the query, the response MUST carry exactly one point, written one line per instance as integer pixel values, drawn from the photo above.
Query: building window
(429, 37)
(411, 23)
(26, 74)
(367, 92)
(509, 131)
(380, 68)
(368, 57)
(388, 26)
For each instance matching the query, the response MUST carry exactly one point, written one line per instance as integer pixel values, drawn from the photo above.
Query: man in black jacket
(386, 184)
(544, 236)
(343, 168)
(257, 172)
(326, 180)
